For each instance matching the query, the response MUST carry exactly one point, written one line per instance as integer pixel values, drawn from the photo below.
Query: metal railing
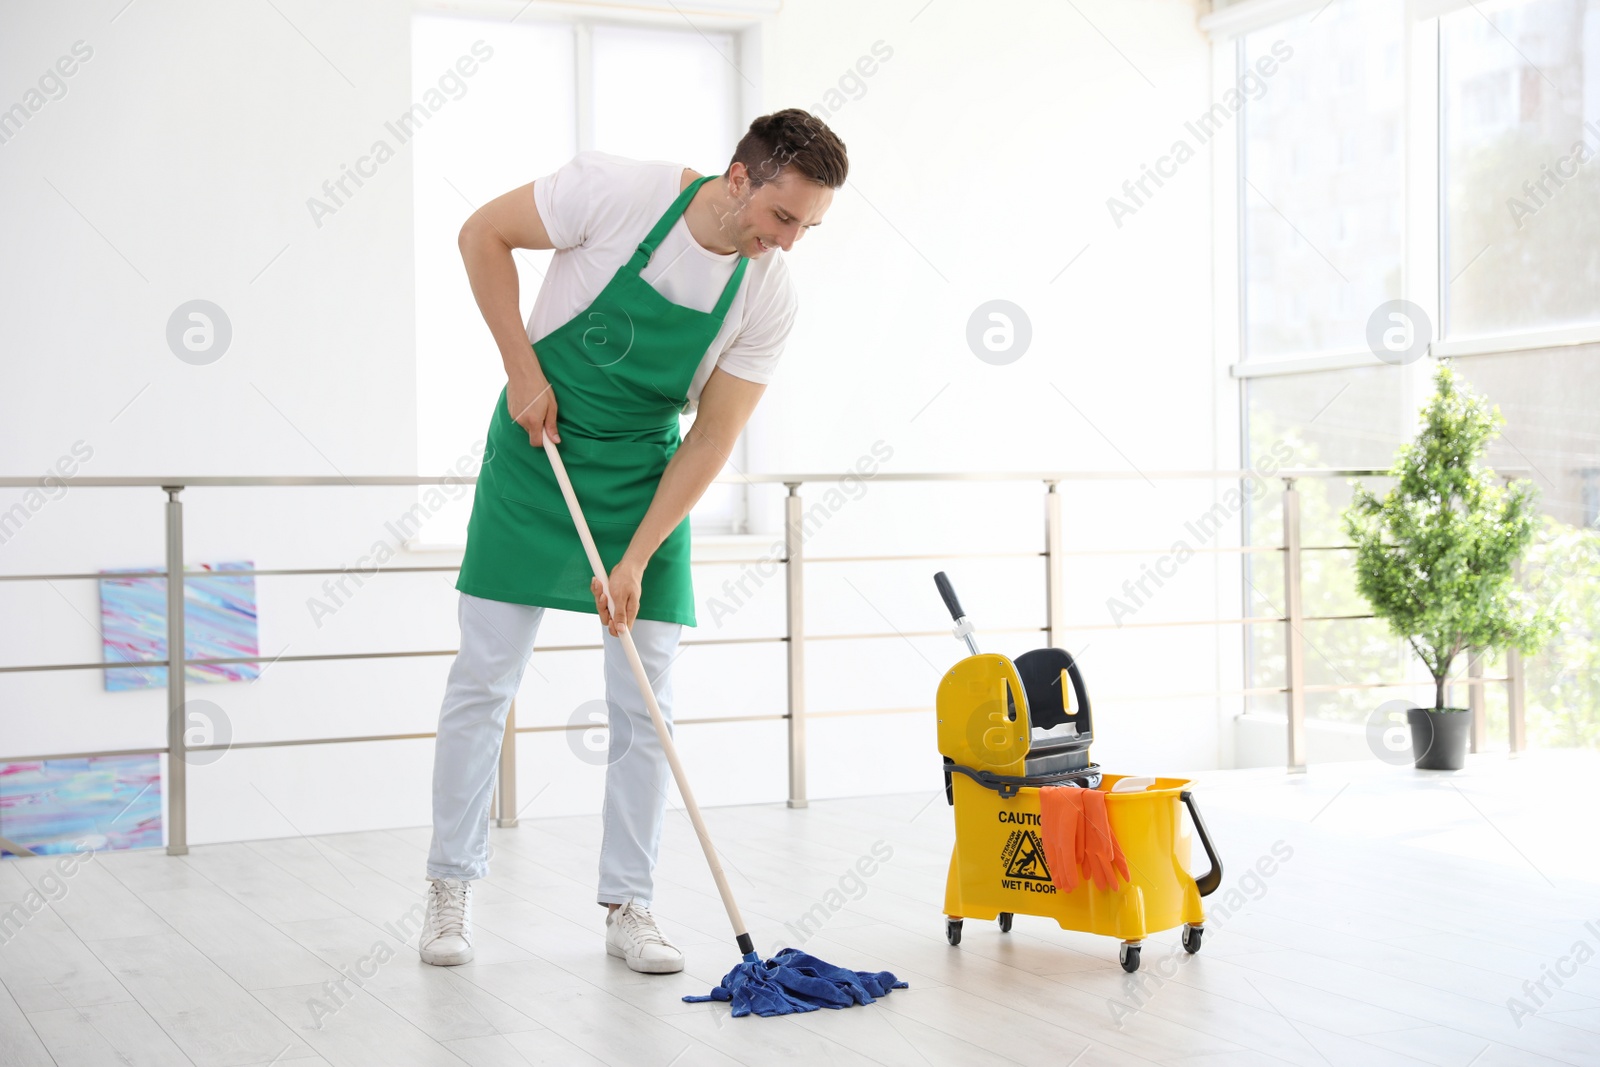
(794, 636)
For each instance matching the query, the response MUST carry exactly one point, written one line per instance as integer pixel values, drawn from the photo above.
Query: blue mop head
(793, 981)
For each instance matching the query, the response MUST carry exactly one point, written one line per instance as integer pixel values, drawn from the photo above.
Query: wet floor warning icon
(1023, 857)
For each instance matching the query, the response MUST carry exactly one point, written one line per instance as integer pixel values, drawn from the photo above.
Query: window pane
(1552, 432)
(1552, 428)
(673, 95)
(1340, 418)
(1322, 178)
(514, 120)
(1521, 98)
(1345, 418)
(665, 94)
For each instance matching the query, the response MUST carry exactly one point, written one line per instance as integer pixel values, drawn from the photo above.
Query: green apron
(620, 371)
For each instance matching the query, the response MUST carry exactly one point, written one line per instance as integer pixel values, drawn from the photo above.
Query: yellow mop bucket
(994, 773)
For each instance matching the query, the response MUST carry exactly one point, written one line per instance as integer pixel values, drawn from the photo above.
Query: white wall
(982, 155)
(177, 166)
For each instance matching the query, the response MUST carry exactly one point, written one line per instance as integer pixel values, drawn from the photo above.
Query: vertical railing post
(795, 635)
(505, 782)
(1516, 710)
(177, 652)
(1055, 588)
(1294, 657)
(1516, 706)
(1475, 700)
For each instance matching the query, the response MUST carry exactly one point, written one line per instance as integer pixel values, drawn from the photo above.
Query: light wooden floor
(1410, 909)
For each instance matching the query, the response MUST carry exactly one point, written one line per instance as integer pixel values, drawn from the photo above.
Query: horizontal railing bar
(1264, 691)
(556, 728)
(1195, 695)
(920, 633)
(930, 555)
(452, 652)
(1174, 624)
(1352, 686)
(853, 712)
(190, 576)
(1206, 622)
(778, 639)
(357, 739)
(139, 663)
(132, 665)
(847, 713)
(291, 742)
(153, 749)
(798, 478)
(1223, 550)
(779, 717)
(1235, 550)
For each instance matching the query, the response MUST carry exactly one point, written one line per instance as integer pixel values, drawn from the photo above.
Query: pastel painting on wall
(67, 805)
(219, 623)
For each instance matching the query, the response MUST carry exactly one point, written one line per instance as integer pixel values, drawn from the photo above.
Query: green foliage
(1564, 682)
(1436, 554)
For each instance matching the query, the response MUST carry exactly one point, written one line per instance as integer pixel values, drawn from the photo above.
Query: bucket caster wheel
(1005, 922)
(952, 931)
(1191, 938)
(1128, 956)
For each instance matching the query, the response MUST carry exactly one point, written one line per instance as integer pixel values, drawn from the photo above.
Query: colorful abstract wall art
(219, 623)
(64, 805)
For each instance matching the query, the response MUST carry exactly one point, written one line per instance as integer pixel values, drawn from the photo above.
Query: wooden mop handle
(640, 676)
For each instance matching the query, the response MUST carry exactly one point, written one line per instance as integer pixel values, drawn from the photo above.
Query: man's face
(777, 214)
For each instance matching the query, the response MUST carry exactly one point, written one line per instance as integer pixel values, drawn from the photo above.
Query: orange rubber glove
(1060, 830)
(1103, 858)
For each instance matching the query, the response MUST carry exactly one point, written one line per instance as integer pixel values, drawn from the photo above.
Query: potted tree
(1436, 555)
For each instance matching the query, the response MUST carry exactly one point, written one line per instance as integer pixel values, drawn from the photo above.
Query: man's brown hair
(791, 138)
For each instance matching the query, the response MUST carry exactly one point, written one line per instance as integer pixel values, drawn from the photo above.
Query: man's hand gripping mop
(792, 981)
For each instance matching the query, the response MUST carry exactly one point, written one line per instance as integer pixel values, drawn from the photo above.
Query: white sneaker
(631, 935)
(447, 931)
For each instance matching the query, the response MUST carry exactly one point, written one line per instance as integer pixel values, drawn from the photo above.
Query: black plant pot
(1439, 737)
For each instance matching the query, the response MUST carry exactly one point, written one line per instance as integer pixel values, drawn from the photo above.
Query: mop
(792, 981)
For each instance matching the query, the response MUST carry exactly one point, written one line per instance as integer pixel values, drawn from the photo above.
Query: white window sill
(1345, 359)
(1586, 334)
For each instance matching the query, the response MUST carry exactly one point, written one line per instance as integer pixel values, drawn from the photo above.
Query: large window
(1340, 211)
(514, 120)
(1322, 182)
(539, 92)
(1520, 96)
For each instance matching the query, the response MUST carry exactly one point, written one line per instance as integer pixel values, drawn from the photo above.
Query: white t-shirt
(598, 207)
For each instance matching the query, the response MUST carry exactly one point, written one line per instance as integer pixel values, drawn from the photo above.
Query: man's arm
(486, 240)
(725, 406)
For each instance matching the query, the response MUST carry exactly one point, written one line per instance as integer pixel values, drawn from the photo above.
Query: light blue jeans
(496, 641)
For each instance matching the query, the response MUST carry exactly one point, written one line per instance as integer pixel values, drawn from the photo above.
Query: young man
(667, 294)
